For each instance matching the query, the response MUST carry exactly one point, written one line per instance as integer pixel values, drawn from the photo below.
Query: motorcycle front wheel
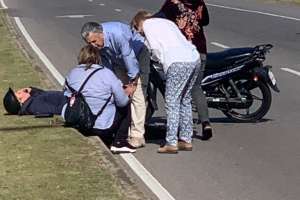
(261, 98)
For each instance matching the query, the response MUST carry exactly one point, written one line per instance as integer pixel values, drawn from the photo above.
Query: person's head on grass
(13, 101)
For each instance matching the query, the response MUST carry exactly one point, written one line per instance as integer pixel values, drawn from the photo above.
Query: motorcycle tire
(260, 112)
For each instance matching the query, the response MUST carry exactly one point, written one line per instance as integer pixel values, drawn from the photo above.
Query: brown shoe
(184, 146)
(137, 142)
(168, 149)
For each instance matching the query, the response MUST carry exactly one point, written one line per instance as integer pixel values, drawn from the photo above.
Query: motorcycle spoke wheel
(261, 97)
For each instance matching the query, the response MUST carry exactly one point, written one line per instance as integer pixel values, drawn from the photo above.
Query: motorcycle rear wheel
(258, 113)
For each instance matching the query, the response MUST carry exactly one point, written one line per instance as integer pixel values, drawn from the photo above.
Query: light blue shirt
(96, 92)
(124, 45)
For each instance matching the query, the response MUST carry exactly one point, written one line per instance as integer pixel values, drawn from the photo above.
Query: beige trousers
(138, 104)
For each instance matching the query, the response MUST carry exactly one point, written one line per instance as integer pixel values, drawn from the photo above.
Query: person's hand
(129, 89)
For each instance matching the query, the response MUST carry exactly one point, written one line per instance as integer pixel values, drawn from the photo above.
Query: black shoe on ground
(206, 131)
(117, 148)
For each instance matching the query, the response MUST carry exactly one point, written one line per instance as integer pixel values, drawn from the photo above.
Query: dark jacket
(43, 102)
(190, 17)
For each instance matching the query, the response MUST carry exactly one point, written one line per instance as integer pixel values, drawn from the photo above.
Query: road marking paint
(147, 177)
(90, 0)
(3, 5)
(74, 16)
(101, 4)
(220, 45)
(118, 10)
(135, 165)
(291, 71)
(254, 11)
(40, 54)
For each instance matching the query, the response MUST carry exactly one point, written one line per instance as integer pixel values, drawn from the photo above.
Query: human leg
(138, 104)
(117, 134)
(176, 80)
(186, 118)
(201, 102)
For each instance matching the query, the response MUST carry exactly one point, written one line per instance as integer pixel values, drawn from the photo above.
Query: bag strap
(89, 76)
(103, 107)
(67, 84)
(84, 82)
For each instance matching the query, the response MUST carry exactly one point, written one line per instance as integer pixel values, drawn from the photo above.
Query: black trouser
(198, 95)
(118, 132)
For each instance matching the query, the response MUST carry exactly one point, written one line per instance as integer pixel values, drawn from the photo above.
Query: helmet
(11, 103)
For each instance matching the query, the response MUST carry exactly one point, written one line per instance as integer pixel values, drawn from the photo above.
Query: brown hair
(89, 55)
(140, 16)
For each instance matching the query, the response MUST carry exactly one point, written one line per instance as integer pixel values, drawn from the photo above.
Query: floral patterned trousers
(180, 79)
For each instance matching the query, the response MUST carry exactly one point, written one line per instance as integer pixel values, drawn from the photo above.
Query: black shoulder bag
(78, 113)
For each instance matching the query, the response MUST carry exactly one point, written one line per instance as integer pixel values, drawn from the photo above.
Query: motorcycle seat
(226, 58)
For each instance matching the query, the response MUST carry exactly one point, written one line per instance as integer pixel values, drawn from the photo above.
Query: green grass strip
(37, 160)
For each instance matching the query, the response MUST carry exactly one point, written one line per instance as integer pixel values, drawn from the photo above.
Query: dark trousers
(198, 95)
(118, 132)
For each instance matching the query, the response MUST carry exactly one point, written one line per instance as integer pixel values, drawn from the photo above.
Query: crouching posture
(34, 101)
(103, 90)
(181, 64)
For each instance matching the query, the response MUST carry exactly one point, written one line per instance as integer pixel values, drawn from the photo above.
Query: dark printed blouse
(190, 17)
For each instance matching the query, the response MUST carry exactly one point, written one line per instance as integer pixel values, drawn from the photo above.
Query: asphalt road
(249, 161)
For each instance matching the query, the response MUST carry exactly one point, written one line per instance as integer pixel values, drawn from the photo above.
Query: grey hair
(90, 27)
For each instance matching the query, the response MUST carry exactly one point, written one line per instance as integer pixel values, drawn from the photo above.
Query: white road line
(136, 166)
(291, 71)
(146, 176)
(90, 0)
(220, 45)
(3, 4)
(118, 10)
(101, 4)
(73, 16)
(254, 11)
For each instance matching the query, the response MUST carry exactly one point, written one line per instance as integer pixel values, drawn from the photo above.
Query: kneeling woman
(114, 121)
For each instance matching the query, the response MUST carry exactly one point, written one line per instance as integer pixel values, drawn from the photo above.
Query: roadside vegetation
(39, 160)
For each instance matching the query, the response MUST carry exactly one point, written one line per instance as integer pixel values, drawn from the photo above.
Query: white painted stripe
(90, 0)
(220, 45)
(136, 166)
(118, 10)
(101, 4)
(254, 11)
(146, 176)
(74, 16)
(3, 4)
(41, 55)
(291, 71)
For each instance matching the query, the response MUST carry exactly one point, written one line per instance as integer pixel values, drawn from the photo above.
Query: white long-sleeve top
(167, 44)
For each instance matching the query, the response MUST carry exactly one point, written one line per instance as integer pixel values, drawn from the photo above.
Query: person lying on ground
(103, 86)
(34, 101)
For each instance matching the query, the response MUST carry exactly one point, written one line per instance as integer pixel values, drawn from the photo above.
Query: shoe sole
(168, 152)
(115, 150)
(185, 149)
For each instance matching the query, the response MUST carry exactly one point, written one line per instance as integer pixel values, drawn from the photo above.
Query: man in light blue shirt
(126, 52)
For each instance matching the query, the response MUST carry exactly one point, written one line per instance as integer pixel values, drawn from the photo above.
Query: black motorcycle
(235, 81)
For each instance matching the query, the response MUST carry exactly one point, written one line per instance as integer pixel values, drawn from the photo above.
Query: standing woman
(181, 63)
(190, 17)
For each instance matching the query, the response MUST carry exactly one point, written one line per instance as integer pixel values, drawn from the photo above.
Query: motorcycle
(235, 82)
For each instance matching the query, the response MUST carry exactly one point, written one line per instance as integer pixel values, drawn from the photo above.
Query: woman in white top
(181, 64)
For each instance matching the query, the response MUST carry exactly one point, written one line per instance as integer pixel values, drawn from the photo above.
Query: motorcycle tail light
(255, 78)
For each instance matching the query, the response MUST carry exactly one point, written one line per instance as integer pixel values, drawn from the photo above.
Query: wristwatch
(134, 80)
